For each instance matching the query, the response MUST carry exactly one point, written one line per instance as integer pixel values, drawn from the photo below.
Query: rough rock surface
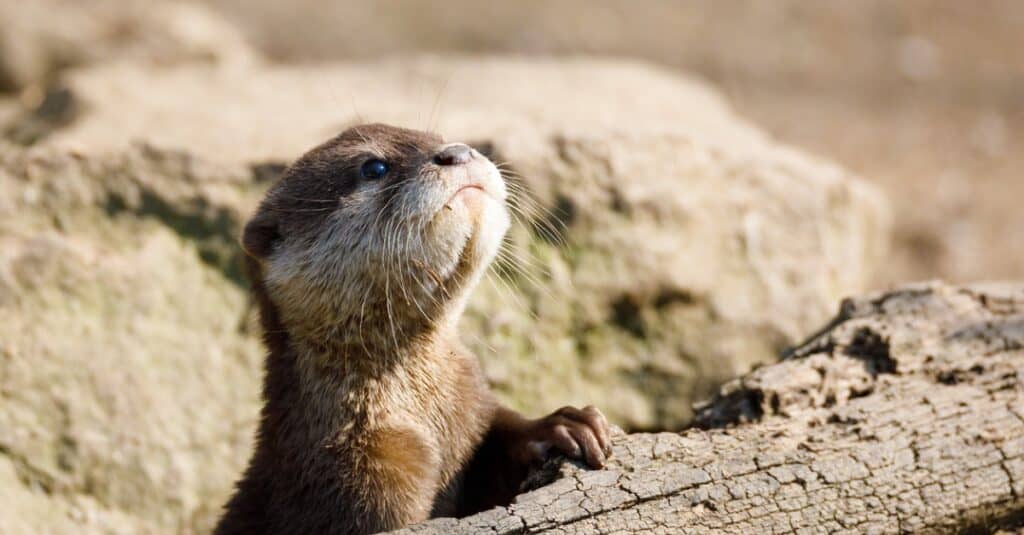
(689, 246)
(128, 385)
(906, 414)
(38, 38)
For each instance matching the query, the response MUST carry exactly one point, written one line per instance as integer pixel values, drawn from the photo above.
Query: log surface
(904, 414)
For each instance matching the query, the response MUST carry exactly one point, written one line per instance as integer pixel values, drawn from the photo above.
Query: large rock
(41, 37)
(267, 113)
(664, 246)
(690, 246)
(128, 389)
(735, 245)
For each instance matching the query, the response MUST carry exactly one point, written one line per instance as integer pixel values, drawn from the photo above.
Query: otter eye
(374, 169)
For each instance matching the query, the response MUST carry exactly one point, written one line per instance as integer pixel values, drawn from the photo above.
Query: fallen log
(905, 414)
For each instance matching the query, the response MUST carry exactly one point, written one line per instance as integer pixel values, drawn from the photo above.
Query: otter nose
(455, 154)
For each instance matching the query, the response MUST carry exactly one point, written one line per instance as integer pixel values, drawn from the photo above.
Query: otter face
(378, 220)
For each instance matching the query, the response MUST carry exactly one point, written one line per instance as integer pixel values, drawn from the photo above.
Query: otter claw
(576, 433)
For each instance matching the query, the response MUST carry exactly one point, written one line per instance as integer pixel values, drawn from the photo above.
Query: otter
(361, 259)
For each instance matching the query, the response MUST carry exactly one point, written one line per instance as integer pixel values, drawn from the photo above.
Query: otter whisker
(387, 255)
(434, 276)
(391, 320)
(503, 288)
(481, 341)
(519, 256)
(506, 261)
(409, 236)
(531, 212)
(437, 104)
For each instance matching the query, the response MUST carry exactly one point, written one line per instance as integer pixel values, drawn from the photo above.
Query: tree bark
(904, 414)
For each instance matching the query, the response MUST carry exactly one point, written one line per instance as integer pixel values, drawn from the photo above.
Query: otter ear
(261, 235)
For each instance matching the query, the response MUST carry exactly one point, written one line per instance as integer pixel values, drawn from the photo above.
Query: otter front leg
(393, 479)
(514, 443)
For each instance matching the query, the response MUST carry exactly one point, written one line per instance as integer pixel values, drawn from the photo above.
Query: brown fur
(375, 417)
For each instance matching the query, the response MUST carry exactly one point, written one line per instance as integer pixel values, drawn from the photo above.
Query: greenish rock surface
(128, 378)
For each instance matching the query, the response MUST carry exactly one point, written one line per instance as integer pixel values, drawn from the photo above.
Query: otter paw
(577, 433)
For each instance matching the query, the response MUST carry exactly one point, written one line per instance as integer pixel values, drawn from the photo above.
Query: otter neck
(381, 336)
(373, 350)
(342, 382)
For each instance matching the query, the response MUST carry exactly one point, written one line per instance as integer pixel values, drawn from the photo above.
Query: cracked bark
(906, 414)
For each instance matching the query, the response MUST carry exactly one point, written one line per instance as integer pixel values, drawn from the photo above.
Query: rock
(128, 387)
(665, 246)
(689, 246)
(41, 37)
(280, 112)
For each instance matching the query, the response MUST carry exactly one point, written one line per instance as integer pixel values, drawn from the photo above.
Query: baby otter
(362, 258)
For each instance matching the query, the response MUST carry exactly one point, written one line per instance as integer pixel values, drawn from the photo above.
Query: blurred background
(923, 97)
(726, 171)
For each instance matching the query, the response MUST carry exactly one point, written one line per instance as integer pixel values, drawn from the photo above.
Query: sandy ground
(926, 98)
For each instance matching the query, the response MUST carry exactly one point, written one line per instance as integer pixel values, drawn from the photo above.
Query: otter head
(378, 233)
